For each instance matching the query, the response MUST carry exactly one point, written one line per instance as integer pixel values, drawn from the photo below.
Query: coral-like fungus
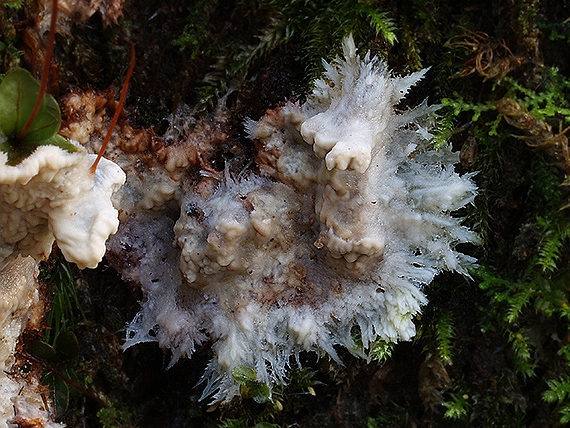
(331, 244)
(52, 195)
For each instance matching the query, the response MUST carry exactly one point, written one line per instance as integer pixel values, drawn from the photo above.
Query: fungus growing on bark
(330, 245)
(21, 308)
(48, 192)
(51, 195)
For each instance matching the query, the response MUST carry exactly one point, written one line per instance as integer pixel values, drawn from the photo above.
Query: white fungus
(21, 400)
(52, 195)
(330, 245)
(49, 196)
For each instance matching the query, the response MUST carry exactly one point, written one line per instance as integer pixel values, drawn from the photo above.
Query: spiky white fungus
(51, 195)
(334, 241)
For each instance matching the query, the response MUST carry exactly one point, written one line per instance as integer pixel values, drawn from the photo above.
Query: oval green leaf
(66, 344)
(261, 393)
(18, 93)
(244, 375)
(18, 152)
(41, 350)
(60, 395)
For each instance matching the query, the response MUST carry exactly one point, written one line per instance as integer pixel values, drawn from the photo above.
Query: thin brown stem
(118, 110)
(45, 71)
(66, 379)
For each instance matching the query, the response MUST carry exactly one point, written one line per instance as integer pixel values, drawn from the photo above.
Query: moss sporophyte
(28, 116)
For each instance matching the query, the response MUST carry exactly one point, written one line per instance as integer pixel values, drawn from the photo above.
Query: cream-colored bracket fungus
(52, 195)
(331, 244)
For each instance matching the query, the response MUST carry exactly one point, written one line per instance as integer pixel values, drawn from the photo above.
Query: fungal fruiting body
(22, 398)
(331, 244)
(51, 195)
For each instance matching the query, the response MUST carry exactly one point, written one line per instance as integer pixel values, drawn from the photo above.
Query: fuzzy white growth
(52, 195)
(354, 101)
(345, 233)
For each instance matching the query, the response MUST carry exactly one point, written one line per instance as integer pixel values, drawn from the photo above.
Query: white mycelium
(349, 221)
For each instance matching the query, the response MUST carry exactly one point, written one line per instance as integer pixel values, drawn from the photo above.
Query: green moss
(116, 416)
(195, 33)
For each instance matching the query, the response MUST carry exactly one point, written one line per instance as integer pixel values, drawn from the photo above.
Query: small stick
(117, 111)
(66, 379)
(45, 71)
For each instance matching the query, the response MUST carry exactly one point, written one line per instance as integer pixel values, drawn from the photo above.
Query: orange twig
(117, 111)
(45, 71)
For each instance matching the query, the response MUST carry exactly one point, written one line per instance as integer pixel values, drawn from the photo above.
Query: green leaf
(457, 407)
(42, 350)
(383, 25)
(445, 333)
(66, 344)
(244, 375)
(17, 152)
(61, 142)
(60, 395)
(18, 93)
(260, 393)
